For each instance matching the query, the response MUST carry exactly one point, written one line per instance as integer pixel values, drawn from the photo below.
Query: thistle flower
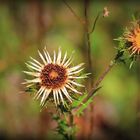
(55, 77)
(132, 38)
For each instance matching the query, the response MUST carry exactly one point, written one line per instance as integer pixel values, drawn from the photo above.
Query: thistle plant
(56, 81)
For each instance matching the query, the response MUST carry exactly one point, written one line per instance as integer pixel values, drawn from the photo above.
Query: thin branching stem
(101, 78)
(74, 13)
(90, 66)
(71, 123)
(95, 22)
(86, 4)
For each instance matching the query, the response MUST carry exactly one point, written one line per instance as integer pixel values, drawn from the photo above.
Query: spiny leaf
(132, 60)
(78, 101)
(85, 105)
(131, 64)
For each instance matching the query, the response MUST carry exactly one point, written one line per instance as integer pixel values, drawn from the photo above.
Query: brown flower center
(53, 76)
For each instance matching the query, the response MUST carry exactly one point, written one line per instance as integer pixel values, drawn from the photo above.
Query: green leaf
(85, 105)
(63, 128)
(78, 101)
(132, 60)
(131, 64)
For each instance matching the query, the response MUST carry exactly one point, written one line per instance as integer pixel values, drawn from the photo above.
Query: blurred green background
(26, 26)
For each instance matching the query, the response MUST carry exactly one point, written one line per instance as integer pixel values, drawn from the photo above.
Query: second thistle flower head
(129, 44)
(55, 77)
(132, 37)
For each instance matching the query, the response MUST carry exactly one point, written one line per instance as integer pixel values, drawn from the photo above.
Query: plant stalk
(101, 78)
(71, 123)
(87, 33)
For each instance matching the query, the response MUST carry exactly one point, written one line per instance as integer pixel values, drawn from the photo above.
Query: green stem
(71, 122)
(101, 78)
(86, 26)
(74, 13)
(95, 22)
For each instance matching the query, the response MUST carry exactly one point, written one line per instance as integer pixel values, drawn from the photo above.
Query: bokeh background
(26, 26)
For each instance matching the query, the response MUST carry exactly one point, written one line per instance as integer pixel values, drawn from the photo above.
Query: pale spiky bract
(54, 76)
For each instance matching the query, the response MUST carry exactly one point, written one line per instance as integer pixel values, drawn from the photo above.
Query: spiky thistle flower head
(55, 77)
(132, 38)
